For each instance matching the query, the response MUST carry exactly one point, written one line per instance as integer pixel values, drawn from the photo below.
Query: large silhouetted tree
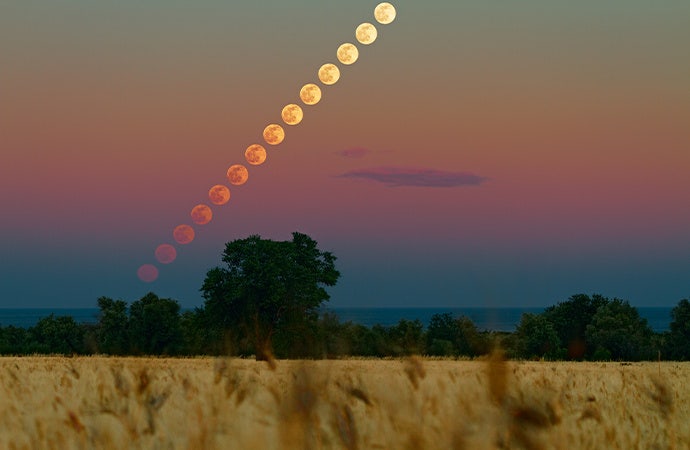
(268, 288)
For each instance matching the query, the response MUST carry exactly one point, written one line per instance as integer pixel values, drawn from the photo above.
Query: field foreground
(97, 402)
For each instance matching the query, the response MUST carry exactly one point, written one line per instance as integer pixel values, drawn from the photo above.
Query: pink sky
(535, 151)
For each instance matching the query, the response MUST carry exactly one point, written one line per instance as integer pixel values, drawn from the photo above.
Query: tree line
(266, 301)
(581, 328)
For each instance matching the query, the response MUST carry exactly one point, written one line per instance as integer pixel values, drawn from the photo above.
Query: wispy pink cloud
(354, 152)
(416, 176)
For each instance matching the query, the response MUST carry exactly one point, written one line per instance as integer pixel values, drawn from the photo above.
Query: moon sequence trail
(273, 134)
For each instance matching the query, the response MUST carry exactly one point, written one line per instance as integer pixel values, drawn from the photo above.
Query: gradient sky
(479, 153)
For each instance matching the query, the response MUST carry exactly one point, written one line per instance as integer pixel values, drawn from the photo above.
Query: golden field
(155, 403)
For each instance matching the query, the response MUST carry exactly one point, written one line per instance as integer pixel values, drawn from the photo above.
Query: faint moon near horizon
(329, 74)
(201, 214)
(347, 53)
(219, 194)
(255, 154)
(292, 114)
(384, 13)
(366, 33)
(165, 253)
(147, 273)
(237, 174)
(310, 94)
(183, 234)
(274, 134)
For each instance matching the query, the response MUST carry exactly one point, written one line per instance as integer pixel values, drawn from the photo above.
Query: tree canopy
(266, 288)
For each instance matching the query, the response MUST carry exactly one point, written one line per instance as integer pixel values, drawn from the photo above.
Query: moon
(147, 273)
(165, 253)
(329, 74)
(183, 234)
(366, 33)
(384, 13)
(201, 214)
(310, 94)
(347, 53)
(292, 114)
(237, 174)
(219, 194)
(274, 134)
(255, 154)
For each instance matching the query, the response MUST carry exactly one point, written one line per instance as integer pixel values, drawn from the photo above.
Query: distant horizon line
(352, 307)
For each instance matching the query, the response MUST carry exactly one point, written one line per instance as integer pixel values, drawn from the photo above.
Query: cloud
(354, 152)
(416, 176)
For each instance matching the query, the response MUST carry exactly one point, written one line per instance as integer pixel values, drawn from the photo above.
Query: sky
(477, 154)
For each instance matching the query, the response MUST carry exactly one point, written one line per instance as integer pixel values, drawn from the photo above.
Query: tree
(268, 287)
(407, 337)
(570, 320)
(154, 325)
(112, 326)
(61, 335)
(618, 332)
(679, 333)
(536, 337)
(450, 336)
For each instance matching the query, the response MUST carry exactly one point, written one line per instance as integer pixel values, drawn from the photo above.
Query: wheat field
(415, 403)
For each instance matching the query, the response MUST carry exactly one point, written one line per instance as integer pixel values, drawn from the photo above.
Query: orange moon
(183, 234)
(329, 74)
(366, 33)
(255, 154)
(384, 13)
(292, 114)
(201, 214)
(147, 273)
(347, 53)
(219, 194)
(310, 94)
(274, 134)
(237, 174)
(166, 253)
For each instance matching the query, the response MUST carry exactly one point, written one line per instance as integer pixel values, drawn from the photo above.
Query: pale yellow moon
(237, 174)
(201, 214)
(384, 13)
(219, 194)
(329, 74)
(310, 94)
(292, 114)
(274, 134)
(347, 53)
(366, 33)
(255, 154)
(165, 253)
(183, 234)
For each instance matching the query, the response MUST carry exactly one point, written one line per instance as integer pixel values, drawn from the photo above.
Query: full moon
(183, 234)
(384, 13)
(347, 53)
(238, 174)
(255, 154)
(219, 194)
(274, 134)
(366, 33)
(201, 214)
(329, 74)
(310, 94)
(147, 273)
(166, 253)
(292, 114)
